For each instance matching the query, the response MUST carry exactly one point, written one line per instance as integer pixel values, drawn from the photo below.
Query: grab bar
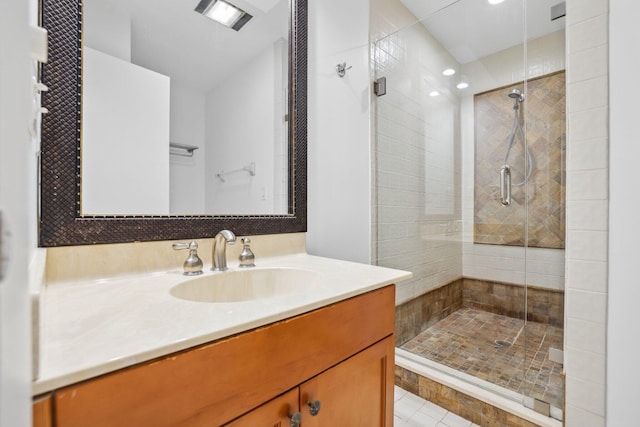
(505, 185)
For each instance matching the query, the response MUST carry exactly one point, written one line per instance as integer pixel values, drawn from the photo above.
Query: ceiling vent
(559, 11)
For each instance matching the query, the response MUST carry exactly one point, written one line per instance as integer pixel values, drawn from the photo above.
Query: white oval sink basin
(245, 285)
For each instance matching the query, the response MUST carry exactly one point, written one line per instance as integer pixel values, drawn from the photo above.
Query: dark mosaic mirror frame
(61, 221)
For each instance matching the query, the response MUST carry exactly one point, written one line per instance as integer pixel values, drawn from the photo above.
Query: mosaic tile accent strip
(473, 409)
(544, 114)
(416, 315)
(498, 349)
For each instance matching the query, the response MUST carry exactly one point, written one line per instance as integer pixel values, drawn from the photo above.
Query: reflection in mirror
(182, 115)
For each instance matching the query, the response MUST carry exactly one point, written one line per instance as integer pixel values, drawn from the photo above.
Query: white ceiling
(473, 29)
(169, 37)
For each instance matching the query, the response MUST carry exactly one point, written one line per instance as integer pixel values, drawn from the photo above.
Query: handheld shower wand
(516, 129)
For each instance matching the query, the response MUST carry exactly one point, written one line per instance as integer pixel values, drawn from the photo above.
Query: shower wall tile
(588, 185)
(579, 417)
(417, 167)
(585, 365)
(588, 215)
(587, 275)
(418, 314)
(586, 305)
(545, 55)
(587, 394)
(543, 197)
(587, 124)
(583, 10)
(588, 64)
(585, 335)
(544, 267)
(589, 33)
(543, 305)
(495, 71)
(592, 93)
(589, 154)
(588, 245)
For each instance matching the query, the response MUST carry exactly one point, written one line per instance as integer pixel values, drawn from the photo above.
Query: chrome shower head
(516, 94)
(517, 97)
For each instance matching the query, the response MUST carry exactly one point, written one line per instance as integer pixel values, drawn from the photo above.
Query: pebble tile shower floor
(493, 347)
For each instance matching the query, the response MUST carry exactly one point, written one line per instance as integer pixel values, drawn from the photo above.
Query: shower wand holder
(505, 185)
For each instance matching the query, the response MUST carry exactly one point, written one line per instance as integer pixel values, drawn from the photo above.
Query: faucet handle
(193, 264)
(247, 257)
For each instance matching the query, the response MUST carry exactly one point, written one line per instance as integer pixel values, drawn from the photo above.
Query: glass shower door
(459, 175)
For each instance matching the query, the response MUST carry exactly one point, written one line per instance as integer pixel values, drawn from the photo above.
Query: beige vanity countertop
(94, 327)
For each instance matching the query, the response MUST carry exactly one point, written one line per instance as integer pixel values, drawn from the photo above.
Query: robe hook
(341, 69)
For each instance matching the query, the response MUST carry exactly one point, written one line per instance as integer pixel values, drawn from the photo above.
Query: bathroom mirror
(63, 221)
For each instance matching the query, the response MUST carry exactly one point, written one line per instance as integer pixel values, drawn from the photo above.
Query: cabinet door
(42, 412)
(356, 393)
(275, 413)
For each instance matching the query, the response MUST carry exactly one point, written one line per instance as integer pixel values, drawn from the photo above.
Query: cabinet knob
(296, 419)
(314, 407)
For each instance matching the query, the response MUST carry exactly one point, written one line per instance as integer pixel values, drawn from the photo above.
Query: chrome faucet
(219, 252)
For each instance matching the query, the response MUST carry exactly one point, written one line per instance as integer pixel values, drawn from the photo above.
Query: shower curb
(466, 400)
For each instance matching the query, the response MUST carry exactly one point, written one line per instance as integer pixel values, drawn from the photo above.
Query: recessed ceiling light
(462, 85)
(224, 12)
(449, 72)
(434, 93)
(495, 1)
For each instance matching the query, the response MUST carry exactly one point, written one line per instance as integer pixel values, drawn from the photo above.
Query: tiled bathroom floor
(492, 347)
(414, 411)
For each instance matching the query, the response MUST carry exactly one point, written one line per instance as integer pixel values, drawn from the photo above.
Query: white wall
(623, 392)
(15, 200)
(187, 174)
(107, 29)
(339, 191)
(242, 127)
(125, 137)
(543, 267)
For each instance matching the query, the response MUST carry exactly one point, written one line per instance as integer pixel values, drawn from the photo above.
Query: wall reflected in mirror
(182, 115)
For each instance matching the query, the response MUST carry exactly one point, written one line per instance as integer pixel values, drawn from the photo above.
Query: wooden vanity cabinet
(341, 354)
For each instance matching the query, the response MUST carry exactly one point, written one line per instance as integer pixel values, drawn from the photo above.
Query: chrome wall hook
(341, 69)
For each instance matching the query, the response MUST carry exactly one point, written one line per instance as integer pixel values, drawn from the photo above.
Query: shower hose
(505, 171)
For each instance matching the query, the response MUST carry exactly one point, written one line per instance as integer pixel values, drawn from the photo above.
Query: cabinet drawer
(217, 382)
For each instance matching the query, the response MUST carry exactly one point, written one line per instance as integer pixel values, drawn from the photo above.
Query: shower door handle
(505, 185)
